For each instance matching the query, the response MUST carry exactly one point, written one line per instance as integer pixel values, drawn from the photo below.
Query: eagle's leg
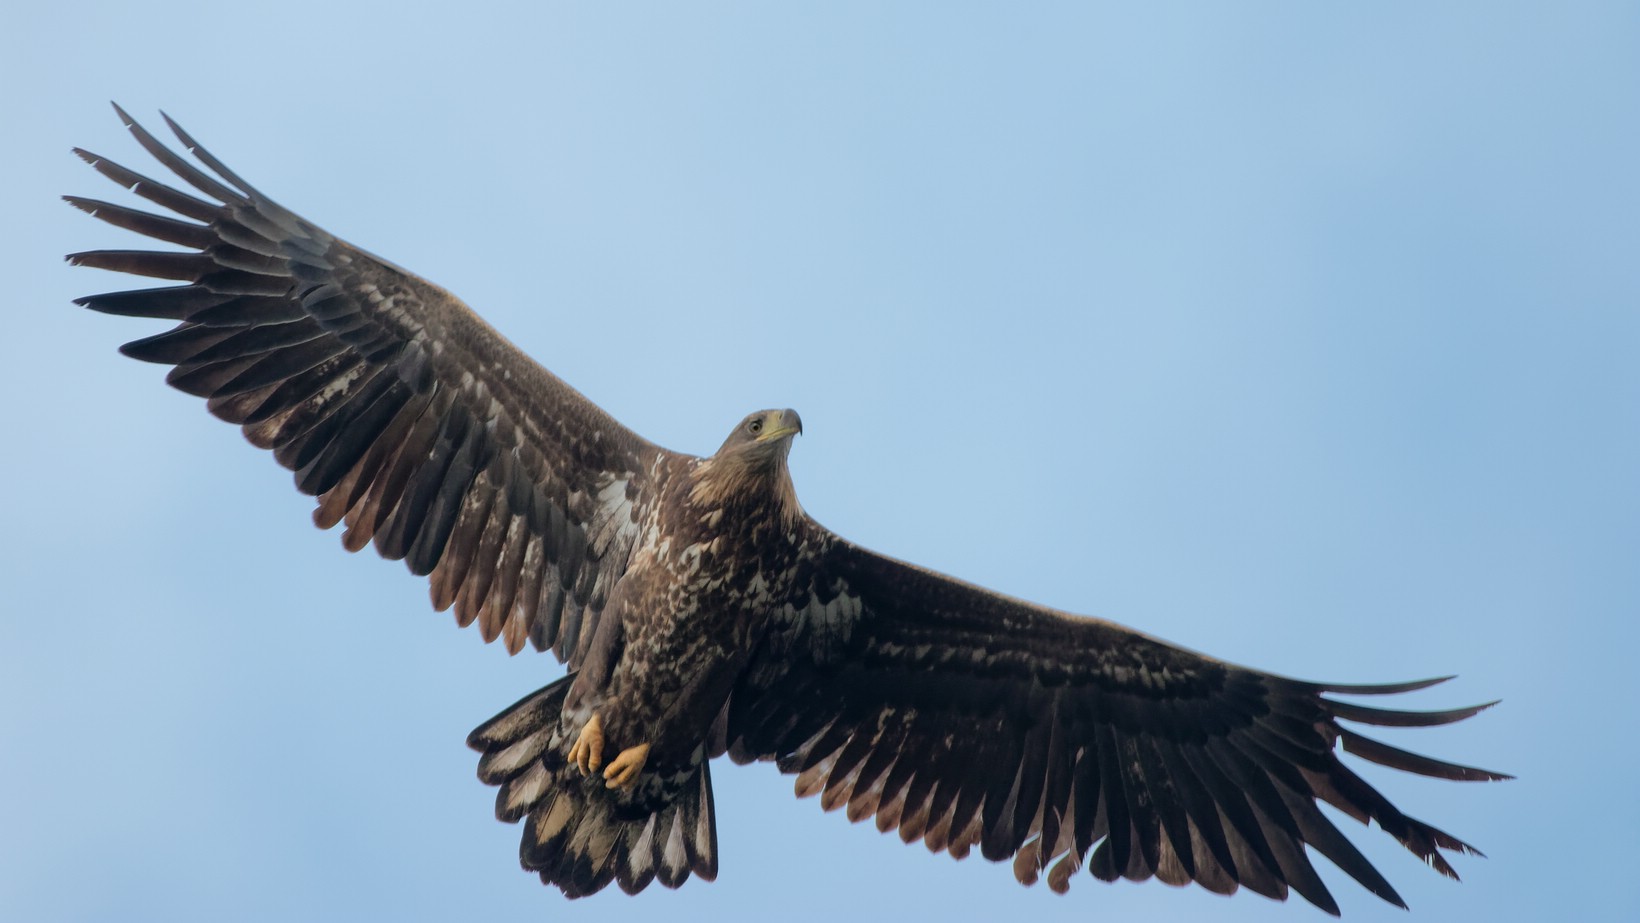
(623, 770)
(588, 751)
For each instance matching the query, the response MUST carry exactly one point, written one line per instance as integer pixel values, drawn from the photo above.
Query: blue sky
(1302, 334)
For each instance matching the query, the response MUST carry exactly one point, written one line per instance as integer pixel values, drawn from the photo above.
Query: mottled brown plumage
(701, 611)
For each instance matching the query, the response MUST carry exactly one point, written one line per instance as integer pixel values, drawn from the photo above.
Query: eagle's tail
(578, 834)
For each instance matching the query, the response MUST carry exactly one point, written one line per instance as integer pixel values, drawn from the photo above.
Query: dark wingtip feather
(157, 264)
(177, 164)
(1389, 717)
(1381, 688)
(1448, 841)
(159, 227)
(205, 157)
(1395, 758)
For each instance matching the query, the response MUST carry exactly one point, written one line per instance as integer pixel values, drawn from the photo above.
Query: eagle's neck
(746, 486)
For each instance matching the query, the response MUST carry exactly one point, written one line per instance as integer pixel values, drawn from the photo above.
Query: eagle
(701, 612)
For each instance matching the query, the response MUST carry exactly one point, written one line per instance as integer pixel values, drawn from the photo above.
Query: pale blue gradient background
(1303, 334)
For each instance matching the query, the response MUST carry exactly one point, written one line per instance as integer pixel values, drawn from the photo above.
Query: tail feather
(578, 835)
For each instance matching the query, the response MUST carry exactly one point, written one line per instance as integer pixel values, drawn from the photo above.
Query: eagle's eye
(755, 427)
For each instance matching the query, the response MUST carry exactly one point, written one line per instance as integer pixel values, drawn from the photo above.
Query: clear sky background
(1304, 334)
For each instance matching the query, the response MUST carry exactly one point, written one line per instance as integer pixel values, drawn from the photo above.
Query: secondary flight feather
(702, 612)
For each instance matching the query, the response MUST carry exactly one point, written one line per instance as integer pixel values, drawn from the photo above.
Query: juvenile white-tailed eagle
(701, 611)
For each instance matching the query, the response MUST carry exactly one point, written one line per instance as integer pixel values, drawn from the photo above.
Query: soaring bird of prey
(700, 611)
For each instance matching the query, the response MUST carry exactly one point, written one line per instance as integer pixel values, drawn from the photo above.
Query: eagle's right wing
(406, 415)
(966, 718)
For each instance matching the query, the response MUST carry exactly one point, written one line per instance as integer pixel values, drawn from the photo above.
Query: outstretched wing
(408, 417)
(966, 718)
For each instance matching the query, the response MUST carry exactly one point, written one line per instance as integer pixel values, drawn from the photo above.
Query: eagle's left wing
(410, 419)
(967, 718)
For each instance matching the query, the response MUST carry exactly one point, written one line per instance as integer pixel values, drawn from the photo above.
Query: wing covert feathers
(412, 422)
(964, 719)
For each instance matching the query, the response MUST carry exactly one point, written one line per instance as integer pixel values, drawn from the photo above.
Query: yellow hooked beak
(787, 423)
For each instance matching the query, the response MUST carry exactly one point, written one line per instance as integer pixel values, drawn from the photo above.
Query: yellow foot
(624, 769)
(588, 752)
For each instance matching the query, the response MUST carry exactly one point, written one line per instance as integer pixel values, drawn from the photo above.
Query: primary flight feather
(700, 611)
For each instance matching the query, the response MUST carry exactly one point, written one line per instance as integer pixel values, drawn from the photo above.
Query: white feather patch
(559, 814)
(674, 858)
(641, 856)
(524, 791)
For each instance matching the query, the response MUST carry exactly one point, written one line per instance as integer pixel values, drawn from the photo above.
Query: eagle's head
(765, 436)
(750, 466)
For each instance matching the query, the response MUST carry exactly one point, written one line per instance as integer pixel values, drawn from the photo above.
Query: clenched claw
(588, 752)
(623, 771)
